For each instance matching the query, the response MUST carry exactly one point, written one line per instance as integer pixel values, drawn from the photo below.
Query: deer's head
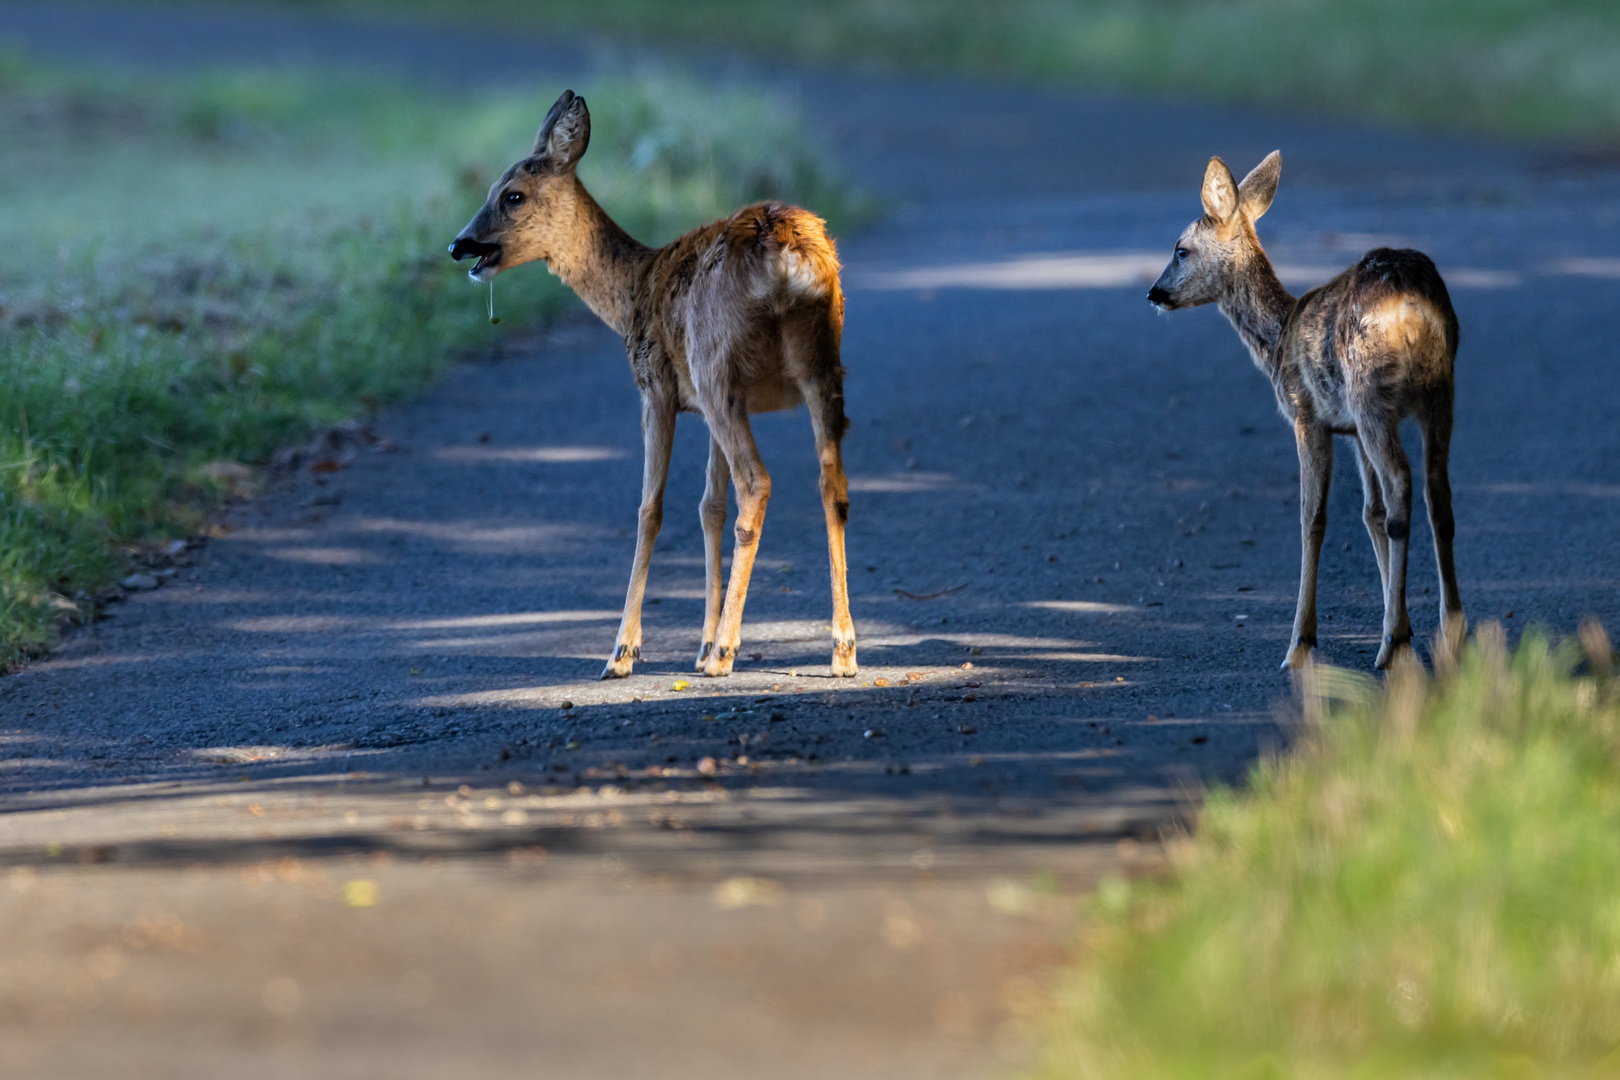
(1214, 251)
(518, 222)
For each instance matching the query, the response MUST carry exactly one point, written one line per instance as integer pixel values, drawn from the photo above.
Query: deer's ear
(1259, 187)
(565, 133)
(1220, 192)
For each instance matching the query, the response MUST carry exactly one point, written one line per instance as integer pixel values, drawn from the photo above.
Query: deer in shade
(1352, 357)
(742, 315)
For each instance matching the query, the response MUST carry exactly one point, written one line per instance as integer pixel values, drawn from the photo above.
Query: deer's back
(1381, 335)
(724, 292)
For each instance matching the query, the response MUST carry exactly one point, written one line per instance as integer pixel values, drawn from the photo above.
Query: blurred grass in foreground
(1545, 67)
(1427, 885)
(201, 268)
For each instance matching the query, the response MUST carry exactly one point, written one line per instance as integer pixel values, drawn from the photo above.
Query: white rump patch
(797, 275)
(1403, 320)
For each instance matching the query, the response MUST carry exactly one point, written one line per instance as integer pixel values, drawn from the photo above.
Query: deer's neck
(597, 259)
(1258, 308)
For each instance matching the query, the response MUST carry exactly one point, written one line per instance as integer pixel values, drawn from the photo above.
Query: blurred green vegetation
(197, 269)
(1428, 885)
(1539, 67)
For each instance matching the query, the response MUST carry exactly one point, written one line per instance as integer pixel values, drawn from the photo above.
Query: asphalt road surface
(343, 797)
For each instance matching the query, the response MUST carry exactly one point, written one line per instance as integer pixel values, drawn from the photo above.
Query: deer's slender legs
(1315, 446)
(810, 348)
(731, 430)
(712, 510)
(1436, 424)
(1373, 515)
(825, 396)
(658, 436)
(1381, 441)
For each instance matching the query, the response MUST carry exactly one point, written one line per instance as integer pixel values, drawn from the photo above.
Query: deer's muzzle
(465, 247)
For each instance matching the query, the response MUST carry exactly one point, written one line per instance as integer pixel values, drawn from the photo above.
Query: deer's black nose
(1157, 295)
(467, 248)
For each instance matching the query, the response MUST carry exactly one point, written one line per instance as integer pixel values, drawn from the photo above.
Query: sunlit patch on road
(1600, 268)
(1090, 658)
(1137, 269)
(238, 755)
(529, 539)
(1057, 270)
(1462, 277)
(1551, 488)
(295, 624)
(69, 663)
(904, 481)
(1082, 607)
(516, 618)
(548, 455)
(325, 556)
(264, 534)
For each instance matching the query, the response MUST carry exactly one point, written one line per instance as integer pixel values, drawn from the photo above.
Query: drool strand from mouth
(493, 318)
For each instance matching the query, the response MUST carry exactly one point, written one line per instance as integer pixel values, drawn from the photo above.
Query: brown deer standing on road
(740, 316)
(1353, 357)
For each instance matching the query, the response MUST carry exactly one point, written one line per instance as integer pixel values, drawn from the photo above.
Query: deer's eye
(512, 198)
(1181, 253)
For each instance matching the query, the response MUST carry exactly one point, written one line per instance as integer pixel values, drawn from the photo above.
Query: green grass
(203, 268)
(1428, 885)
(1541, 67)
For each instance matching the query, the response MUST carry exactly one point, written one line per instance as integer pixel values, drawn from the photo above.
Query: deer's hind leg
(1435, 419)
(812, 349)
(722, 350)
(1373, 515)
(713, 513)
(1381, 442)
(658, 436)
(752, 483)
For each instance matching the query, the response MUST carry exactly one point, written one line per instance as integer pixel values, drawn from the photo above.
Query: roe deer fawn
(1352, 357)
(740, 316)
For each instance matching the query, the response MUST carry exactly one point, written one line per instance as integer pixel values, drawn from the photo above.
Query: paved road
(319, 798)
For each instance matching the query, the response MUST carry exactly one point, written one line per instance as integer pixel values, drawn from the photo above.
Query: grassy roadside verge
(1521, 67)
(1425, 887)
(195, 270)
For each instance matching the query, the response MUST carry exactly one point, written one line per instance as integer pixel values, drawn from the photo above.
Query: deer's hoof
(1300, 654)
(719, 663)
(1391, 650)
(843, 661)
(1453, 634)
(624, 659)
(703, 657)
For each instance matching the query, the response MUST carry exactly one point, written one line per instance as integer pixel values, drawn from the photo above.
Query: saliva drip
(493, 318)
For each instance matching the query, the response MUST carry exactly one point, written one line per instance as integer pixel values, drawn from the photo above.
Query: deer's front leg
(658, 434)
(713, 513)
(1315, 446)
(753, 487)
